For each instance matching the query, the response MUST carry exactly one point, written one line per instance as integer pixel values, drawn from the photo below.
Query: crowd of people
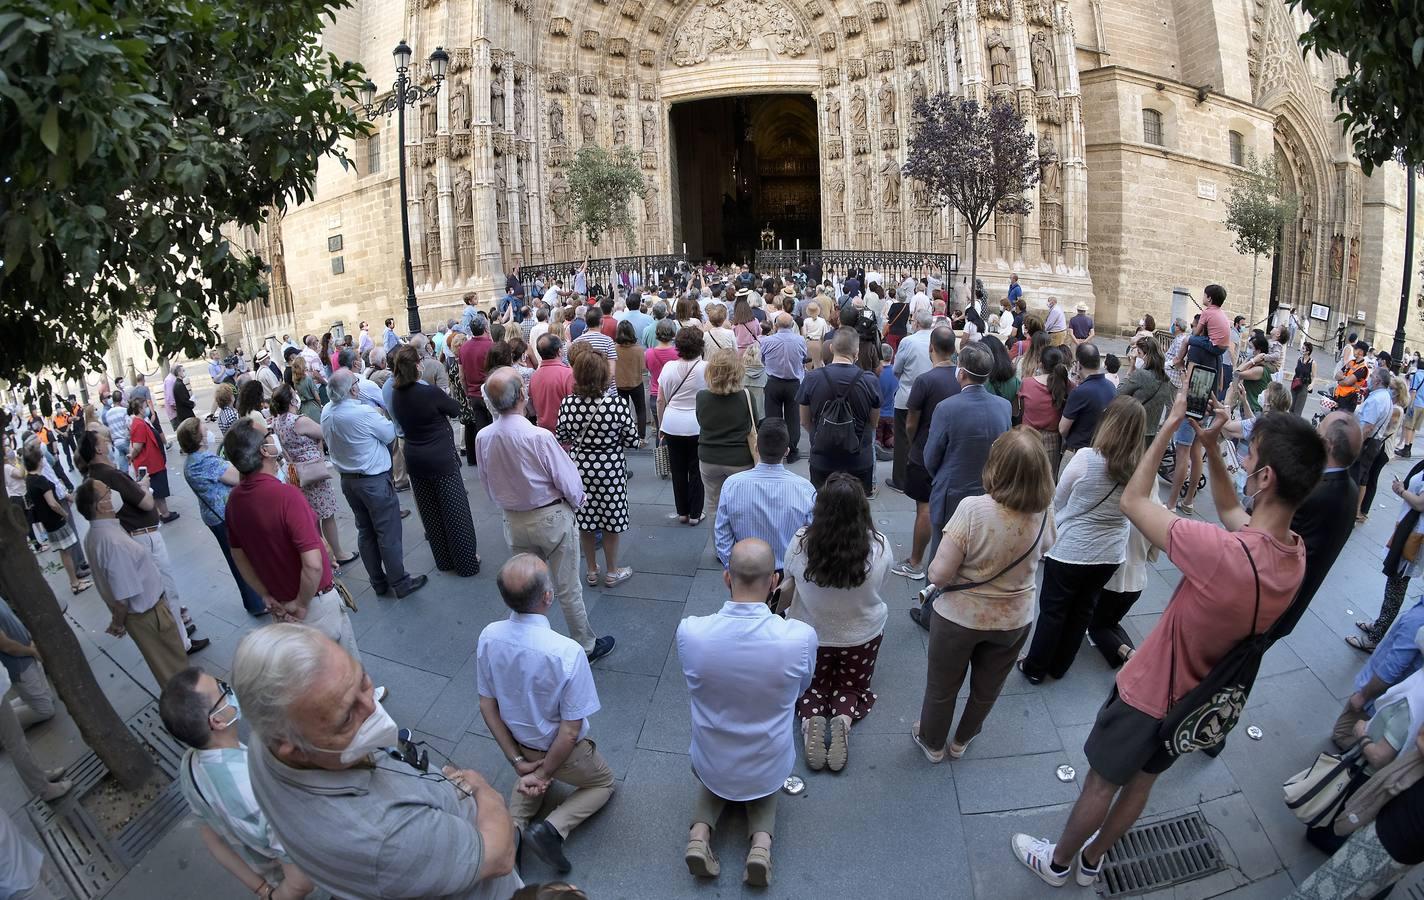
(1026, 449)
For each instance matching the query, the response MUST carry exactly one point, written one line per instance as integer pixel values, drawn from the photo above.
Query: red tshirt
(1209, 612)
(473, 355)
(609, 326)
(274, 525)
(551, 383)
(151, 456)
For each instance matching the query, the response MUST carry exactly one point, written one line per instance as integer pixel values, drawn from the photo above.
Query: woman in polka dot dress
(834, 569)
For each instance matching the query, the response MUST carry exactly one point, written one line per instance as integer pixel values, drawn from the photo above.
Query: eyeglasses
(225, 691)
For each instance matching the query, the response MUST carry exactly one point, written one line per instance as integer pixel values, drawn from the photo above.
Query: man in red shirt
(552, 381)
(1226, 571)
(473, 355)
(276, 542)
(146, 452)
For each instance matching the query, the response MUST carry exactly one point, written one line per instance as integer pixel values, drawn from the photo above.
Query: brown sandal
(700, 859)
(1365, 645)
(758, 871)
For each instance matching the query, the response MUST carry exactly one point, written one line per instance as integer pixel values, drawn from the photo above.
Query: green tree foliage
(601, 189)
(1256, 209)
(135, 130)
(979, 160)
(1381, 94)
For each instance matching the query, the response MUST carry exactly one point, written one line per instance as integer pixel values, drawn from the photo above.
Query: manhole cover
(1155, 856)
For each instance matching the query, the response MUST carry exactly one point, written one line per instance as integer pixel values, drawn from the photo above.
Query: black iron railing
(648, 269)
(838, 262)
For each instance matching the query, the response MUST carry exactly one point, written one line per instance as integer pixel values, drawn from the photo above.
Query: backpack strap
(1172, 697)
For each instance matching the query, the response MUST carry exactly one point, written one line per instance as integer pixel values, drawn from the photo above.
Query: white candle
(684, 248)
(798, 245)
(778, 244)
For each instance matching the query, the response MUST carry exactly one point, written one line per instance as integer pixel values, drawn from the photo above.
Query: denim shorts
(1185, 434)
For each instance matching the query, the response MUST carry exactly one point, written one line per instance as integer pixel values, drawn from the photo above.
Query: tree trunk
(973, 266)
(24, 585)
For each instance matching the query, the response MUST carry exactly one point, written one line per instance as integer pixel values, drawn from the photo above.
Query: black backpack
(836, 430)
(1207, 713)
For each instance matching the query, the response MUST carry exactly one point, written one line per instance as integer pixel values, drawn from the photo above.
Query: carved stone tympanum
(732, 26)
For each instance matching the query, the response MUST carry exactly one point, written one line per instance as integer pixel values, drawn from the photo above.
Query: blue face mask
(1247, 501)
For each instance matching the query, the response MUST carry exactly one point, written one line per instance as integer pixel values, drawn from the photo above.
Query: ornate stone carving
(878, 13)
(813, 9)
(556, 122)
(1049, 111)
(650, 203)
(858, 118)
(497, 59)
(1045, 78)
(459, 104)
(1050, 230)
(588, 84)
(889, 138)
(917, 90)
(518, 101)
(994, 9)
(884, 60)
(1337, 255)
(431, 119)
(558, 157)
(657, 24)
(500, 143)
(1050, 184)
(558, 83)
(833, 115)
(649, 160)
(890, 182)
(618, 47)
(860, 144)
(837, 195)
(442, 146)
(831, 76)
(588, 121)
(828, 40)
(885, 99)
(731, 26)
(588, 40)
(430, 203)
(647, 57)
(855, 68)
(559, 198)
(560, 27)
(618, 86)
(915, 52)
(650, 128)
(521, 150)
(834, 148)
(648, 90)
(497, 101)
(460, 60)
(463, 211)
(620, 125)
(631, 9)
(1000, 58)
(860, 185)
(427, 152)
(1039, 12)
(460, 145)
(852, 25)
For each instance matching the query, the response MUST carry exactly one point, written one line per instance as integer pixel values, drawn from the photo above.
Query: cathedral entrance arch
(744, 166)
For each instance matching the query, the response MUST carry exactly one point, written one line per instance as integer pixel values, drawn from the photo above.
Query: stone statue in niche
(833, 115)
(518, 105)
(857, 110)
(890, 174)
(463, 213)
(432, 119)
(861, 179)
(650, 203)
(919, 194)
(918, 91)
(837, 195)
(521, 194)
(501, 191)
(559, 198)
(650, 128)
(886, 99)
(588, 121)
(995, 9)
(1306, 251)
(620, 126)
(1337, 256)
(1354, 260)
(1050, 170)
(497, 101)
(1041, 55)
(1000, 58)
(430, 200)
(556, 122)
(459, 105)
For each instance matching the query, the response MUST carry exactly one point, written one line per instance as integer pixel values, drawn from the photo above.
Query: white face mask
(1138, 362)
(378, 732)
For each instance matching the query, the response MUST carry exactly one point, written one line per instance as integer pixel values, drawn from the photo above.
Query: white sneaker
(905, 570)
(1037, 855)
(1088, 877)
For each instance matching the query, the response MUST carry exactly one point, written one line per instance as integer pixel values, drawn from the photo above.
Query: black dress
(423, 413)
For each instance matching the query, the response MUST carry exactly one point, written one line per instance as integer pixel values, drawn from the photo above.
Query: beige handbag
(312, 472)
(1316, 794)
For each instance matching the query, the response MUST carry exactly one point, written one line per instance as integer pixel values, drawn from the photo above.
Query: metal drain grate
(90, 861)
(1150, 857)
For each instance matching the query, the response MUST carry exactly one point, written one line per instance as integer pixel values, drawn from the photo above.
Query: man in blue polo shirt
(1085, 404)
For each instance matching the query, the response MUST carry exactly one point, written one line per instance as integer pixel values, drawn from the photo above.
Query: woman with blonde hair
(304, 387)
(718, 335)
(224, 400)
(1092, 538)
(813, 329)
(982, 615)
(596, 427)
(726, 417)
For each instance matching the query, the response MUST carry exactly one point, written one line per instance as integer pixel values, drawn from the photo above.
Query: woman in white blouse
(833, 572)
(678, 385)
(813, 329)
(1092, 539)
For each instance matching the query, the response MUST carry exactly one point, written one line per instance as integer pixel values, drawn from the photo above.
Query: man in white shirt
(536, 694)
(1373, 415)
(745, 670)
(1055, 324)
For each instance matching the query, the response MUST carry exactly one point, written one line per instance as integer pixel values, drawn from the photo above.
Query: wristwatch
(517, 760)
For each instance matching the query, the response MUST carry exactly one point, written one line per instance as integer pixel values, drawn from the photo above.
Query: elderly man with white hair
(358, 437)
(358, 823)
(431, 371)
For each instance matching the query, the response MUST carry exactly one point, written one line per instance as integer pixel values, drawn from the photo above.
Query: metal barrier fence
(838, 262)
(649, 269)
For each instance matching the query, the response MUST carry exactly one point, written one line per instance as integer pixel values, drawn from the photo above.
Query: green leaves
(601, 187)
(1257, 207)
(49, 129)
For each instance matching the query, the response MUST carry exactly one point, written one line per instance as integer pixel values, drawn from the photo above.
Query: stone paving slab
(914, 828)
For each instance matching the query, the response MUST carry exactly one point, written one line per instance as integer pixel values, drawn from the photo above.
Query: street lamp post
(405, 93)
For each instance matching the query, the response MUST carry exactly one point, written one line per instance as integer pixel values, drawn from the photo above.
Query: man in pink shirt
(529, 476)
(551, 382)
(1237, 579)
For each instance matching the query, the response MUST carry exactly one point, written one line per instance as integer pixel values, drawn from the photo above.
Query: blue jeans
(250, 601)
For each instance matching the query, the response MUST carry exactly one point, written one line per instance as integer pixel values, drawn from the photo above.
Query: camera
(230, 361)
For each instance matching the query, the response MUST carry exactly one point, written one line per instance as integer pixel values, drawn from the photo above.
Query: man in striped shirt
(202, 712)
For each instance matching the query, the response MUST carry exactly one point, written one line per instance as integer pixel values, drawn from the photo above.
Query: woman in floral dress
(300, 438)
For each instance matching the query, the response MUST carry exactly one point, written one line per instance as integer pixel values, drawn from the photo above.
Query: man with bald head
(745, 670)
(529, 476)
(536, 694)
(783, 352)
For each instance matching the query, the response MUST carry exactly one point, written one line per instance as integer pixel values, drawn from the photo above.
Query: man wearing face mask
(129, 583)
(359, 824)
(202, 712)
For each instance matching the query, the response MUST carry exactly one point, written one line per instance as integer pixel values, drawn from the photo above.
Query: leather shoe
(601, 648)
(199, 644)
(416, 583)
(546, 842)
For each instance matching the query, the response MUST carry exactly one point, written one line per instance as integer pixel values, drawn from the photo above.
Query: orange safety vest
(1360, 370)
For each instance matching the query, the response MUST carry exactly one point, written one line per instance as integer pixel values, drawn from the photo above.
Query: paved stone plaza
(889, 825)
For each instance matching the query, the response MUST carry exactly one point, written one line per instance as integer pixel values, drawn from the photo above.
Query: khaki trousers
(399, 477)
(761, 812)
(551, 533)
(586, 771)
(156, 545)
(157, 636)
(1057, 338)
(1344, 732)
(327, 614)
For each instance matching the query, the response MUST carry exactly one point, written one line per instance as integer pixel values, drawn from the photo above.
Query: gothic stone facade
(1145, 108)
